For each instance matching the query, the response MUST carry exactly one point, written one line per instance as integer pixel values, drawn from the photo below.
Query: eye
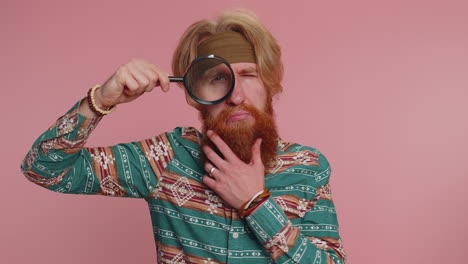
(218, 78)
(250, 74)
(221, 77)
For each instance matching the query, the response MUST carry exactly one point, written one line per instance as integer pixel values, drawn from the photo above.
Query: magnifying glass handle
(176, 79)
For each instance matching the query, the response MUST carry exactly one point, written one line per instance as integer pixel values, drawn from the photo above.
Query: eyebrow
(212, 70)
(247, 70)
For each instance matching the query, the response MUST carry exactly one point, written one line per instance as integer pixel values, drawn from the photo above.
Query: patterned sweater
(297, 224)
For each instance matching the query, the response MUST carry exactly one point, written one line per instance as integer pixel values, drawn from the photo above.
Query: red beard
(240, 136)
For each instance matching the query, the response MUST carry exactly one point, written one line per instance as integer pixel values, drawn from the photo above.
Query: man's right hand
(129, 82)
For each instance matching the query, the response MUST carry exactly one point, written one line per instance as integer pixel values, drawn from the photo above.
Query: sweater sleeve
(315, 239)
(59, 161)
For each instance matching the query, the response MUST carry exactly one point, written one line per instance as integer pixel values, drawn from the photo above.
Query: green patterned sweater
(297, 224)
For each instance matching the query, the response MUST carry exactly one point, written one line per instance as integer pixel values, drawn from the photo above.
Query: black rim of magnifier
(182, 79)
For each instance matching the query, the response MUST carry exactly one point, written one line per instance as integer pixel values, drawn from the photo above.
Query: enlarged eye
(218, 78)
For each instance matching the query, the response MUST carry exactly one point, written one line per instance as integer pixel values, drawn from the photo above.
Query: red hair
(267, 50)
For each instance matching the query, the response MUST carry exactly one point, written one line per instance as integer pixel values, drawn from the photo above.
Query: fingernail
(209, 133)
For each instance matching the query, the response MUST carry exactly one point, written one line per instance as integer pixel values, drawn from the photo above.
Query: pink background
(380, 87)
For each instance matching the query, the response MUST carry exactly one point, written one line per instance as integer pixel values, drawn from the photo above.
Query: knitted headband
(229, 45)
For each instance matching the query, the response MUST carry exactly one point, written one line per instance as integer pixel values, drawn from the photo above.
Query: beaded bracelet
(92, 103)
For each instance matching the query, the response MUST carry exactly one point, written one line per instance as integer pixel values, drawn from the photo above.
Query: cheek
(212, 111)
(257, 92)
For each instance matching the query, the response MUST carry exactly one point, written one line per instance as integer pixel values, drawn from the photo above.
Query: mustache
(231, 109)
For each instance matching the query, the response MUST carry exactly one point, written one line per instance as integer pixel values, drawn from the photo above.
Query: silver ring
(211, 170)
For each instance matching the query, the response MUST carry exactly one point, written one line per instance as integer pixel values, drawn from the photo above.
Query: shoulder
(179, 137)
(185, 135)
(307, 159)
(303, 153)
(180, 143)
(185, 142)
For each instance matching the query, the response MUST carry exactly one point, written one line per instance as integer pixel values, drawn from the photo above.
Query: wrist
(249, 206)
(96, 107)
(249, 202)
(98, 99)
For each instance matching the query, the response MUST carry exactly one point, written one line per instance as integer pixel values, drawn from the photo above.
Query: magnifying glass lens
(209, 80)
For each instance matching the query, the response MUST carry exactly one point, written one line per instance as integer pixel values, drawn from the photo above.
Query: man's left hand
(232, 179)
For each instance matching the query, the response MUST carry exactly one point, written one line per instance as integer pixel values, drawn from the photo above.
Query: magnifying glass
(208, 80)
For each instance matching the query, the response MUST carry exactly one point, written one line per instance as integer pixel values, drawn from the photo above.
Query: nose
(237, 96)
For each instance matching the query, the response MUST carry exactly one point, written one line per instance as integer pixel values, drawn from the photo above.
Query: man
(235, 193)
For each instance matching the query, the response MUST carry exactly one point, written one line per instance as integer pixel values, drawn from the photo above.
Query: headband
(229, 45)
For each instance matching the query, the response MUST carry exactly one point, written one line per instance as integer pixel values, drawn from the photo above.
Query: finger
(222, 146)
(215, 159)
(150, 74)
(130, 84)
(142, 80)
(163, 77)
(164, 81)
(209, 167)
(154, 79)
(210, 182)
(149, 89)
(257, 152)
(212, 171)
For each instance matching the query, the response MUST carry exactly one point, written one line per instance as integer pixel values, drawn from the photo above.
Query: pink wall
(380, 88)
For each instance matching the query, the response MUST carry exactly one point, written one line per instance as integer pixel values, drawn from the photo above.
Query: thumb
(256, 152)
